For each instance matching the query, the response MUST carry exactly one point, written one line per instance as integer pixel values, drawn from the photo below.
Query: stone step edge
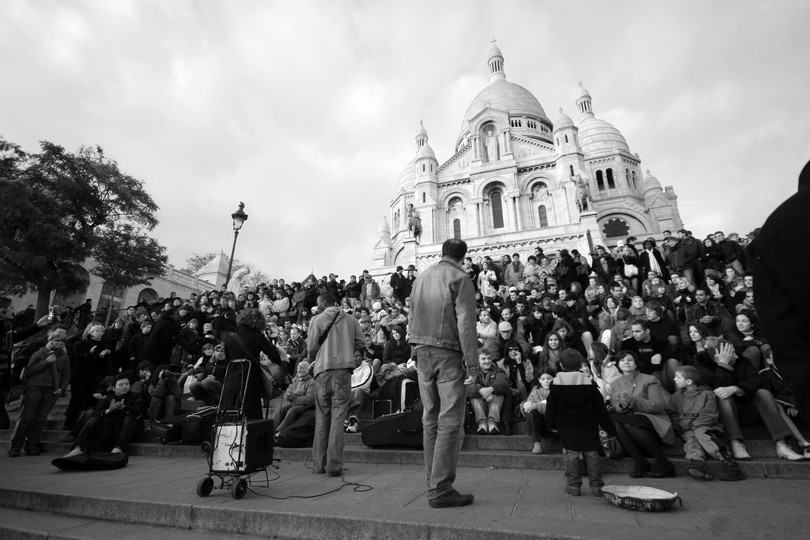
(36, 525)
(496, 459)
(265, 522)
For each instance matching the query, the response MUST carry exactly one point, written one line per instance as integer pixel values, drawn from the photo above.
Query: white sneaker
(354, 425)
(75, 452)
(538, 448)
(738, 450)
(783, 451)
(117, 450)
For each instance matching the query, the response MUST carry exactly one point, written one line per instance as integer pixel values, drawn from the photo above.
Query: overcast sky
(307, 110)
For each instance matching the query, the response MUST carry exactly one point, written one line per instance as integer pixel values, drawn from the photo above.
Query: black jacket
(575, 409)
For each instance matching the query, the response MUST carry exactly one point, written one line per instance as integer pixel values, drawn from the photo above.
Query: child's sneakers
(697, 469)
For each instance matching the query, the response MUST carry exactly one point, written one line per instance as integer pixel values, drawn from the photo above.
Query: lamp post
(239, 217)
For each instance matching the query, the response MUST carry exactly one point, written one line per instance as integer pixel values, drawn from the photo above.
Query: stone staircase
(487, 451)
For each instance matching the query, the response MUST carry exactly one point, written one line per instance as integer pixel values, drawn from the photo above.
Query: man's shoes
(596, 491)
(338, 472)
(492, 427)
(117, 450)
(73, 453)
(451, 499)
(482, 427)
(538, 448)
(738, 450)
(353, 425)
(14, 452)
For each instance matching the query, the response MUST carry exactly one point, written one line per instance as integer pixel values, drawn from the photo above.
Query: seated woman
(114, 423)
(637, 403)
(748, 339)
(570, 337)
(534, 409)
(603, 367)
(299, 397)
(549, 357)
(487, 393)
(736, 383)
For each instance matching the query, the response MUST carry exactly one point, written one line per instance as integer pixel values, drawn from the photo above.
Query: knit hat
(58, 334)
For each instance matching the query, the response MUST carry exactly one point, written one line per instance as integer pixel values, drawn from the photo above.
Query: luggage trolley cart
(239, 448)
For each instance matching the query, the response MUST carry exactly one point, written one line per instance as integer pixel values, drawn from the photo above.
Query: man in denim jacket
(443, 334)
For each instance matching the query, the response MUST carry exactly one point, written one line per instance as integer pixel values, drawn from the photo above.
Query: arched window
(600, 181)
(423, 197)
(457, 229)
(497, 209)
(633, 175)
(542, 216)
(571, 170)
(566, 138)
(627, 176)
(611, 183)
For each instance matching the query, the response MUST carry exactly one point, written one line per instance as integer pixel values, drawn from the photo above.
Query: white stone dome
(564, 121)
(505, 96)
(425, 152)
(407, 176)
(651, 183)
(384, 227)
(596, 135)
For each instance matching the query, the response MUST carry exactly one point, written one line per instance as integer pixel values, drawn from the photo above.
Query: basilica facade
(517, 180)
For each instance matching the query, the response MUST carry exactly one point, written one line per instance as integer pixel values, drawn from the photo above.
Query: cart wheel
(204, 486)
(206, 448)
(238, 489)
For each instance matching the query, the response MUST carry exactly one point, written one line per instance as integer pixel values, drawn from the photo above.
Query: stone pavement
(156, 497)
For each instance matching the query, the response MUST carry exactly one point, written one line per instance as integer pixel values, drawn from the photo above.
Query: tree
(126, 257)
(55, 207)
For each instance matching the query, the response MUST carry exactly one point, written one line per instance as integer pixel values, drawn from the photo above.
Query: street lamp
(239, 217)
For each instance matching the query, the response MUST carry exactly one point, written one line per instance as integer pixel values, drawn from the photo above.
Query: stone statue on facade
(583, 194)
(414, 223)
(491, 144)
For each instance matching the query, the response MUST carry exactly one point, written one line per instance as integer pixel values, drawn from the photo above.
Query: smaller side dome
(425, 152)
(651, 183)
(384, 227)
(564, 121)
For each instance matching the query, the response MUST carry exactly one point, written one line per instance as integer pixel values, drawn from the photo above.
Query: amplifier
(243, 447)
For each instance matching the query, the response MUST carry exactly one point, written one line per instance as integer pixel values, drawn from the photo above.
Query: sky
(306, 111)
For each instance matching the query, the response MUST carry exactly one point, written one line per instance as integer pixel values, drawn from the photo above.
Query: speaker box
(244, 447)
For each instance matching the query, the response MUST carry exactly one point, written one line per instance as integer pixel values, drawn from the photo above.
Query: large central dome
(505, 96)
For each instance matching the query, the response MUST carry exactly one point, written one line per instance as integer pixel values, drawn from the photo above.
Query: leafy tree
(126, 257)
(55, 207)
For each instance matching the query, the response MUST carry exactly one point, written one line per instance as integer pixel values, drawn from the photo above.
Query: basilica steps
(487, 451)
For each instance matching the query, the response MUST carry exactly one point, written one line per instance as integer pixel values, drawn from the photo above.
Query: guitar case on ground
(398, 429)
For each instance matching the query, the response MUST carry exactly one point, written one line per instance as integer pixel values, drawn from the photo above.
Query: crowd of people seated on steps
(686, 302)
